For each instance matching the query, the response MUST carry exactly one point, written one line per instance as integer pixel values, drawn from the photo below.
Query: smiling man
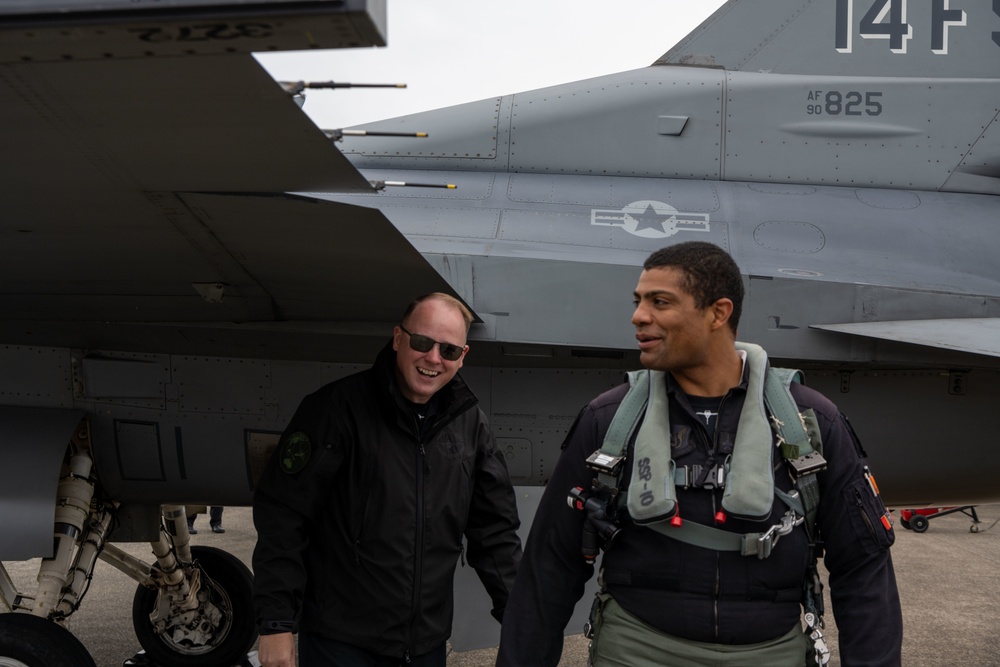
(710, 505)
(361, 512)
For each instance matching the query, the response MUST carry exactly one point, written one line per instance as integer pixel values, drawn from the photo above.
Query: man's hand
(277, 650)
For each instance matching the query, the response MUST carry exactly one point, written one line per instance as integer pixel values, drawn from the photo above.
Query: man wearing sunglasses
(362, 510)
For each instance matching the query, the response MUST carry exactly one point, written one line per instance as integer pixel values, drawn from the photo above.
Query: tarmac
(947, 578)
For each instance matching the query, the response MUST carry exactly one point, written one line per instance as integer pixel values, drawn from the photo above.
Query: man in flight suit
(664, 601)
(362, 510)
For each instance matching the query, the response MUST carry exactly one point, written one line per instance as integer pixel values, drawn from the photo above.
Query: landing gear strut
(218, 629)
(193, 607)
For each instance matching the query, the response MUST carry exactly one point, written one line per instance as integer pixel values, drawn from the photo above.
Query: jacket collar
(454, 398)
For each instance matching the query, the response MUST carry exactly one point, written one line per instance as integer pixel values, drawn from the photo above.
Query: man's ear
(722, 309)
(397, 333)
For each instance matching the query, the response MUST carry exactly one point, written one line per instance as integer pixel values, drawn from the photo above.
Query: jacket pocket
(868, 517)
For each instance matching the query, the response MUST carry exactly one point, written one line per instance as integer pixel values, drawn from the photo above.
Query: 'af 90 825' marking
(836, 103)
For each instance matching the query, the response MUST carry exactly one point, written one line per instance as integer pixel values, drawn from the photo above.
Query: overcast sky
(454, 51)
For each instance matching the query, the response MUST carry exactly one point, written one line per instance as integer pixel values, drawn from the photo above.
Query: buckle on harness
(768, 539)
(688, 476)
(605, 463)
(808, 464)
(716, 478)
(814, 625)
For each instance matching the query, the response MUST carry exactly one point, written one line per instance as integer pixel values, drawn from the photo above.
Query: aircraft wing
(267, 268)
(973, 335)
(143, 204)
(102, 101)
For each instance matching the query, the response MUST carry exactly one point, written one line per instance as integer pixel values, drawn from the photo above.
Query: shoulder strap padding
(628, 415)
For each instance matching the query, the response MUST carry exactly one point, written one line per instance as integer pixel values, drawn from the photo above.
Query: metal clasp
(821, 653)
(810, 463)
(605, 463)
(770, 538)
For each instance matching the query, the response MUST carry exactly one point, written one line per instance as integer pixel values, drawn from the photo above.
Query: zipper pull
(423, 457)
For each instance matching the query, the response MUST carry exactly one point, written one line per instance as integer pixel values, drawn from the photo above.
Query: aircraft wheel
(219, 632)
(919, 523)
(31, 641)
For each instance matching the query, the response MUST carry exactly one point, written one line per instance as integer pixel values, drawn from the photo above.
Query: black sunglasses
(424, 344)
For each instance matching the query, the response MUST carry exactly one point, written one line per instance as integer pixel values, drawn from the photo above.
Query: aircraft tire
(919, 523)
(229, 586)
(31, 641)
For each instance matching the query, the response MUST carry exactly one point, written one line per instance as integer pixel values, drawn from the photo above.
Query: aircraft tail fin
(847, 37)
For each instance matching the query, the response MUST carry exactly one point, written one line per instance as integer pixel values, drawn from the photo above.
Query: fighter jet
(184, 256)
(847, 153)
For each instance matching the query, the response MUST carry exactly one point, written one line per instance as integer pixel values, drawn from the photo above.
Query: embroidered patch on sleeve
(295, 451)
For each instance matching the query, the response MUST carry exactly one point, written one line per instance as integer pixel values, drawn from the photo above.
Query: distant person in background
(214, 520)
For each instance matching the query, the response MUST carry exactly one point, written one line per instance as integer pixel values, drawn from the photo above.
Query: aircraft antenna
(382, 185)
(296, 87)
(337, 135)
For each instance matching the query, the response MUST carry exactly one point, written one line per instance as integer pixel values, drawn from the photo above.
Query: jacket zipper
(418, 545)
(712, 446)
(717, 590)
(422, 469)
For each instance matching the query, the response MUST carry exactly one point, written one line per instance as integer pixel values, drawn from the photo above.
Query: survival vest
(769, 414)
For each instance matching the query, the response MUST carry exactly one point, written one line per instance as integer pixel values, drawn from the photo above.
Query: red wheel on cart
(919, 523)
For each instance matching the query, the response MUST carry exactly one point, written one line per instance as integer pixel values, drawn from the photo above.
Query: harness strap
(796, 433)
(793, 437)
(624, 423)
(808, 486)
(747, 544)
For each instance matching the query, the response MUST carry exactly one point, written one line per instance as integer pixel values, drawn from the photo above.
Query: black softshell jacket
(361, 545)
(700, 594)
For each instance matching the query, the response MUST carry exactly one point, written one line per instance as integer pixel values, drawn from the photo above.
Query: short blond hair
(445, 298)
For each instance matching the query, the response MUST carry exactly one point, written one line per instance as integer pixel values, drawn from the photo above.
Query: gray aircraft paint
(839, 216)
(157, 276)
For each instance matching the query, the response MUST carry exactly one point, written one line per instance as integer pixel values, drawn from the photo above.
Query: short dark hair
(445, 298)
(710, 274)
